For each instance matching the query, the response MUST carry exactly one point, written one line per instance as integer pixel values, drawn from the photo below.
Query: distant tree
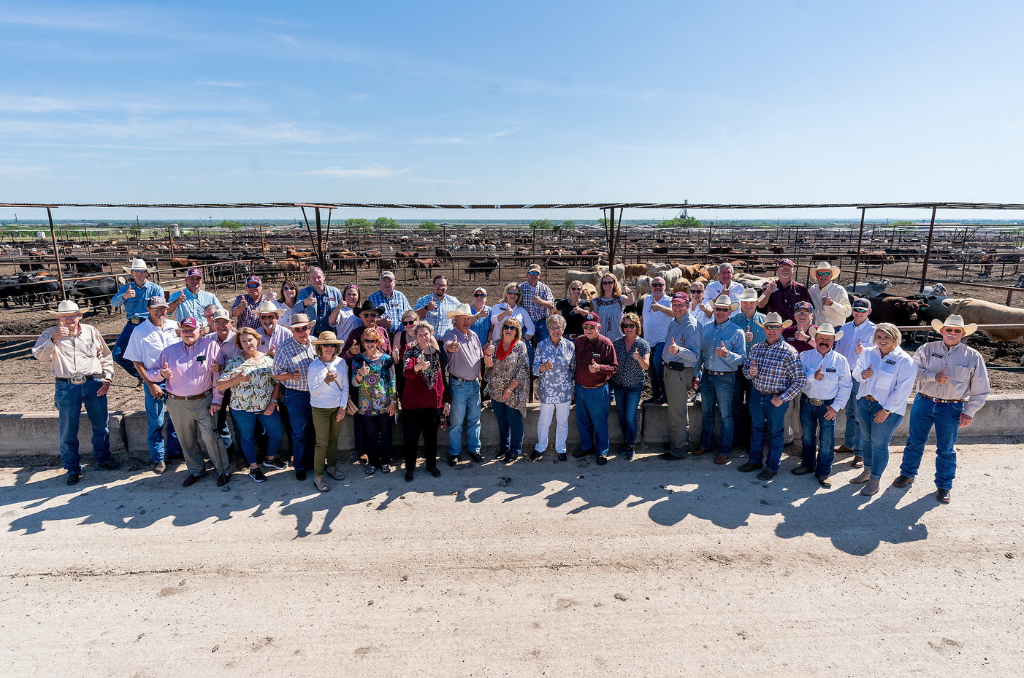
(429, 226)
(568, 225)
(904, 222)
(103, 224)
(233, 225)
(385, 222)
(684, 222)
(135, 232)
(359, 224)
(542, 225)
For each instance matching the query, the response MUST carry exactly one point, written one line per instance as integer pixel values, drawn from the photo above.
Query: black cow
(485, 266)
(96, 293)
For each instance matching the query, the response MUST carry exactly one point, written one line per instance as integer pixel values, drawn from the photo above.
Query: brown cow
(987, 313)
(896, 310)
(417, 264)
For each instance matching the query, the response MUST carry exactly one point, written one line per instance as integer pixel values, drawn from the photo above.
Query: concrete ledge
(37, 433)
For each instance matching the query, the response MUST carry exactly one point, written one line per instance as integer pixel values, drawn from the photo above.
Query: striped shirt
(778, 369)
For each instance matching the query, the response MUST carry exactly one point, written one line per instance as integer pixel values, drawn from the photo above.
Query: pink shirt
(190, 367)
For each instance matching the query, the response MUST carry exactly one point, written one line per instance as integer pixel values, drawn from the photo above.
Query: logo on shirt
(938, 355)
(890, 362)
(830, 369)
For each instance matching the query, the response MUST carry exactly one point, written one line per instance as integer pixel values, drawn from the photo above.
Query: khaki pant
(676, 386)
(792, 430)
(327, 428)
(190, 416)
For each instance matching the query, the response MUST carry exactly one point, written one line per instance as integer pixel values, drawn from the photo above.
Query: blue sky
(783, 101)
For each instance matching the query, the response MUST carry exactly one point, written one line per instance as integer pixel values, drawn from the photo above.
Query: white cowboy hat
(825, 266)
(299, 320)
(825, 328)
(461, 309)
(269, 307)
(774, 318)
(726, 301)
(68, 307)
(137, 265)
(955, 321)
(749, 294)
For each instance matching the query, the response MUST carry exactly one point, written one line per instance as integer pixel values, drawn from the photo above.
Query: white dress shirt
(716, 289)
(148, 341)
(892, 379)
(837, 382)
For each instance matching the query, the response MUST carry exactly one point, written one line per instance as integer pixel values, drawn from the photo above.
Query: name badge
(830, 369)
(890, 362)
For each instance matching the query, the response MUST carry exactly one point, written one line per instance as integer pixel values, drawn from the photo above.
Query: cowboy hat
(825, 266)
(327, 337)
(825, 328)
(299, 320)
(461, 309)
(774, 318)
(955, 321)
(369, 306)
(68, 307)
(137, 265)
(726, 301)
(749, 294)
(269, 307)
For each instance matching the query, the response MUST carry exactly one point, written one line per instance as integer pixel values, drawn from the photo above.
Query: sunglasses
(262, 317)
(953, 330)
(773, 327)
(607, 282)
(628, 327)
(479, 295)
(533, 273)
(576, 289)
(696, 291)
(657, 284)
(304, 330)
(368, 315)
(861, 310)
(372, 342)
(408, 322)
(253, 287)
(509, 328)
(823, 274)
(289, 289)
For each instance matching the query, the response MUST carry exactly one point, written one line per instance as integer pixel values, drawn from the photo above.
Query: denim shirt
(713, 336)
(558, 384)
(137, 306)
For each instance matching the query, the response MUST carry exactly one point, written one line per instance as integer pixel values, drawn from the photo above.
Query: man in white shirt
(151, 337)
(831, 303)
(857, 335)
(724, 285)
(825, 392)
(657, 315)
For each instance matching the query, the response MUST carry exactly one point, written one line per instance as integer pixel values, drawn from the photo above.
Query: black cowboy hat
(368, 305)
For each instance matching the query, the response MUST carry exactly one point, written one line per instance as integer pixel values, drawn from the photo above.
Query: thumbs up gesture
(489, 349)
(722, 351)
(800, 335)
(546, 366)
(309, 301)
(828, 300)
(860, 348)
(129, 293)
(364, 370)
(243, 303)
(867, 372)
(594, 367)
(63, 331)
(421, 363)
(673, 347)
(942, 377)
(772, 286)
(752, 370)
(354, 348)
(749, 337)
(636, 355)
(819, 374)
(453, 346)
(243, 378)
(165, 372)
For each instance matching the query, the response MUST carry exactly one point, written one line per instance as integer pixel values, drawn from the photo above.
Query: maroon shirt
(600, 350)
(783, 299)
(789, 336)
(417, 394)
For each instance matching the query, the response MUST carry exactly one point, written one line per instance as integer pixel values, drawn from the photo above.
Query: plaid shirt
(394, 307)
(778, 369)
(291, 356)
(752, 327)
(249, 316)
(438, 318)
(601, 351)
(527, 301)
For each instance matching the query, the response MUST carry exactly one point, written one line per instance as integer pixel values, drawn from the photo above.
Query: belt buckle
(135, 321)
(817, 402)
(78, 379)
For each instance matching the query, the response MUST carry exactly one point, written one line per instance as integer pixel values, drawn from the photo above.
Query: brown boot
(870, 488)
(843, 449)
(864, 477)
(721, 459)
(858, 462)
(698, 452)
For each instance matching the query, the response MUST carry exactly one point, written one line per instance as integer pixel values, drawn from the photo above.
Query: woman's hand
(880, 416)
(270, 408)
(340, 415)
(392, 408)
(351, 408)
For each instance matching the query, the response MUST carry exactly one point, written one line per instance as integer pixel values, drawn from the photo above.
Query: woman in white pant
(555, 364)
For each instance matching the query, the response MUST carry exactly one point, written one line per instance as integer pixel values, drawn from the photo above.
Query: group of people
(768, 366)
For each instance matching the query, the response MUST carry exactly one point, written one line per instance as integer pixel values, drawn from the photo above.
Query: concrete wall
(37, 433)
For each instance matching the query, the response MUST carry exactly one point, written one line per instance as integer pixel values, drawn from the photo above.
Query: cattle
(97, 292)
(720, 249)
(404, 255)
(589, 291)
(386, 264)
(896, 310)
(752, 281)
(693, 272)
(180, 263)
(485, 266)
(643, 286)
(442, 253)
(654, 268)
(582, 276)
(987, 313)
(869, 290)
(417, 264)
(634, 270)
(28, 268)
(776, 249)
(84, 267)
(876, 257)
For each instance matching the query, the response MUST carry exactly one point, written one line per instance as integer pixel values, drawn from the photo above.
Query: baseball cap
(786, 261)
(253, 279)
(221, 313)
(803, 306)
(156, 301)
(190, 322)
(194, 271)
(480, 289)
(534, 267)
(591, 319)
(861, 304)
(388, 274)
(681, 296)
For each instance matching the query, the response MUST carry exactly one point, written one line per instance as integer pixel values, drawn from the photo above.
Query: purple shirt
(190, 368)
(279, 336)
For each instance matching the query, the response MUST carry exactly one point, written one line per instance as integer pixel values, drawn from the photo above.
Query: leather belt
(818, 402)
(940, 400)
(677, 367)
(136, 320)
(718, 374)
(468, 381)
(191, 397)
(79, 379)
(774, 393)
(871, 398)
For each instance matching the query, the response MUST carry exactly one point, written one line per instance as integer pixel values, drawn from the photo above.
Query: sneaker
(275, 464)
(370, 469)
(335, 472)
(257, 475)
(385, 468)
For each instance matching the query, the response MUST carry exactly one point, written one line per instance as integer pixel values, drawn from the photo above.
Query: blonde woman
(509, 308)
(507, 368)
(328, 399)
(608, 304)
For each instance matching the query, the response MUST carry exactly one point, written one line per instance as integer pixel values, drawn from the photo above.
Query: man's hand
(432, 306)
(62, 332)
(165, 372)
(828, 300)
(269, 409)
(966, 420)
(830, 414)
(819, 374)
(309, 301)
(453, 346)
(271, 351)
(800, 335)
(777, 401)
(673, 348)
(722, 351)
(749, 336)
(215, 367)
(104, 387)
(129, 293)
(156, 391)
(214, 409)
(772, 287)
(244, 303)
(752, 370)
(290, 376)
(593, 366)
(942, 377)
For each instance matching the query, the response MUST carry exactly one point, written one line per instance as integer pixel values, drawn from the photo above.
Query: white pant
(544, 423)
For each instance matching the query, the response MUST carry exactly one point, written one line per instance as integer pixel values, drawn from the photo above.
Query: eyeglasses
(657, 284)
(368, 315)
(304, 330)
(263, 317)
(607, 282)
(533, 273)
(630, 326)
(408, 322)
(696, 291)
(822, 274)
(479, 295)
(253, 287)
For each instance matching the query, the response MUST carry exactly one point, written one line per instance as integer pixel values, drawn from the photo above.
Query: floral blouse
(377, 391)
(558, 384)
(515, 367)
(630, 373)
(253, 396)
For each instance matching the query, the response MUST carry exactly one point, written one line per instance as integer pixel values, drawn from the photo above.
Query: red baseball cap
(591, 319)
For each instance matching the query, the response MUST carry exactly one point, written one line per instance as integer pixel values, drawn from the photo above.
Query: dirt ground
(647, 568)
(25, 384)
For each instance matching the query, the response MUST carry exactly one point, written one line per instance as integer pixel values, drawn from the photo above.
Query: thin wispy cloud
(468, 138)
(369, 172)
(214, 83)
(15, 170)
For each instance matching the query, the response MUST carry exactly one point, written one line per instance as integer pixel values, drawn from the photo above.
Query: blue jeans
(817, 458)
(946, 417)
(246, 422)
(741, 407)
(156, 413)
(465, 412)
(69, 399)
(851, 438)
(717, 390)
(627, 400)
(875, 437)
(592, 418)
(300, 415)
(510, 427)
(657, 371)
(766, 420)
(540, 333)
(118, 351)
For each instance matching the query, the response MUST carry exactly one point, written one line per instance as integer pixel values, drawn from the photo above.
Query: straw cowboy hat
(749, 294)
(724, 300)
(327, 337)
(825, 266)
(955, 321)
(825, 328)
(68, 307)
(461, 309)
(269, 307)
(137, 265)
(299, 320)
(774, 318)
